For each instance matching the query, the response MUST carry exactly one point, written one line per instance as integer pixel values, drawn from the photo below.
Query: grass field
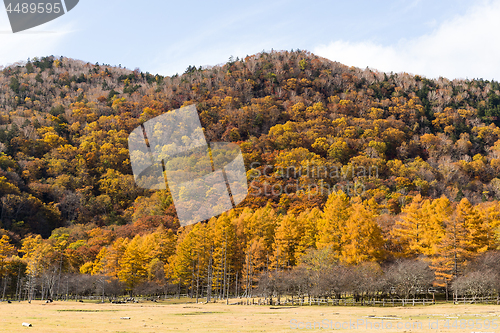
(190, 317)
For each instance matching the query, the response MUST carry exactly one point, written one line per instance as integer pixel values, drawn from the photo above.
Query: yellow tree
(6, 250)
(421, 225)
(476, 239)
(464, 239)
(178, 269)
(440, 211)
(33, 249)
(224, 240)
(257, 231)
(59, 244)
(332, 226)
(409, 228)
(261, 224)
(110, 259)
(256, 261)
(98, 266)
(490, 213)
(309, 220)
(448, 259)
(362, 240)
(32, 255)
(163, 243)
(134, 263)
(287, 238)
(194, 250)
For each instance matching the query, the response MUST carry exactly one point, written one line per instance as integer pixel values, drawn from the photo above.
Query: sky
(449, 38)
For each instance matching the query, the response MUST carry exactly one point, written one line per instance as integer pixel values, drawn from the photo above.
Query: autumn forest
(405, 183)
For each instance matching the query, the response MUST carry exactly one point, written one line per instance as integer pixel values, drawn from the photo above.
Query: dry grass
(162, 317)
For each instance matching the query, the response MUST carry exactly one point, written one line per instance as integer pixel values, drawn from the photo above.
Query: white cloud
(40, 41)
(466, 46)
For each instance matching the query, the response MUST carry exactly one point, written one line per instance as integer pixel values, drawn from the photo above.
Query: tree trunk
(209, 276)
(192, 280)
(198, 279)
(5, 279)
(225, 267)
(236, 286)
(18, 289)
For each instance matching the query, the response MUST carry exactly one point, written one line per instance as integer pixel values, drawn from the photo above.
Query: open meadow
(218, 317)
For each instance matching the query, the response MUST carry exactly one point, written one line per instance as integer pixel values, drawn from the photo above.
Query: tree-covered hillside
(408, 153)
(64, 126)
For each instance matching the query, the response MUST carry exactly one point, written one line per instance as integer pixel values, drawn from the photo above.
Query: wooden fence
(477, 300)
(335, 302)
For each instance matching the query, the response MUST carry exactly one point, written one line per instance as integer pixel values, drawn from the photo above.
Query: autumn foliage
(363, 166)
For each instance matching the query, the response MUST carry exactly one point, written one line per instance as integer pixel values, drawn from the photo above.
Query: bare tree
(482, 276)
(475, 284)
(409, 277)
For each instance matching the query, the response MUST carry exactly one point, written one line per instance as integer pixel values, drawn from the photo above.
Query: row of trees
(65, 172)
(233, 251)
(318, 276)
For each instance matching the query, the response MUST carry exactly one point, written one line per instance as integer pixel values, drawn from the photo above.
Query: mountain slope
(64, 126)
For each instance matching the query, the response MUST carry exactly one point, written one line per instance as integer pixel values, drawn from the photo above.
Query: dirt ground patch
(163, 317)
